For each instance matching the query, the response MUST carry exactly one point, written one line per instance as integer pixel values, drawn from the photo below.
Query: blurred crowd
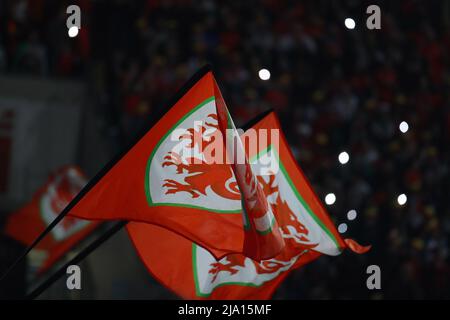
(334, 89)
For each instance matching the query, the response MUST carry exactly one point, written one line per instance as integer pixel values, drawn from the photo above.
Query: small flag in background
(30, 221)
(192, 272)
(177, 177)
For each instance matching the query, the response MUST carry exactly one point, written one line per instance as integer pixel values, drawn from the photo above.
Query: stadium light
(330, 199)
(401, 199)
(264, 74)
(73, 31)
(350, 23)
(343, 157)
(351, 215)
(404, 127)
(342, 228)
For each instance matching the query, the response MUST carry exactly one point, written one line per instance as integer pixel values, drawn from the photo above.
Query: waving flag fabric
(27, 223)
(262, 237)
(308, 232)
(177, 176)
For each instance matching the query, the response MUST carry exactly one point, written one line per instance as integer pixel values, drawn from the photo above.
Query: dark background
(334, 89)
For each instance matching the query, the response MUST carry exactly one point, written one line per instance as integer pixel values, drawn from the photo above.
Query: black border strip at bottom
(271, 309)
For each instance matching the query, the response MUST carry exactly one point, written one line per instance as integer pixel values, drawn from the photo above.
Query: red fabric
(257, 246)
(175, 270)
(356, 247)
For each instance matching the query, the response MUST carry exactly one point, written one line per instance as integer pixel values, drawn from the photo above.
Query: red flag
(30, 221)
(177, 176)
(193, 273)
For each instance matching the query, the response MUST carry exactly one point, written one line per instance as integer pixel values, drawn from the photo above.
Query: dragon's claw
(175, 187)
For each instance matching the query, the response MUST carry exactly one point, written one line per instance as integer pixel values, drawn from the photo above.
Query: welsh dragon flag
(182, 175)
(192, 272)
(26, 224)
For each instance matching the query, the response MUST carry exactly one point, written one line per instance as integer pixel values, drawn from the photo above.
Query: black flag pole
(181, 92)
(77, 259)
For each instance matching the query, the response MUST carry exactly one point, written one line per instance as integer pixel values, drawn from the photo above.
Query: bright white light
(73, 31)
(330, 199)
(401, 199)
(350, 23)
(264, 74)
(351, 215)
(342, 228)
(343, 157)
(403, 126)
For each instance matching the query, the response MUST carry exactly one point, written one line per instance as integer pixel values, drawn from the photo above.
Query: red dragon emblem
(202, 173)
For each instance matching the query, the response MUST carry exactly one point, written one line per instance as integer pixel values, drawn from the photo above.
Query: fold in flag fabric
(180, 176)
(262, 236)
(192, 272)
(30, 221)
